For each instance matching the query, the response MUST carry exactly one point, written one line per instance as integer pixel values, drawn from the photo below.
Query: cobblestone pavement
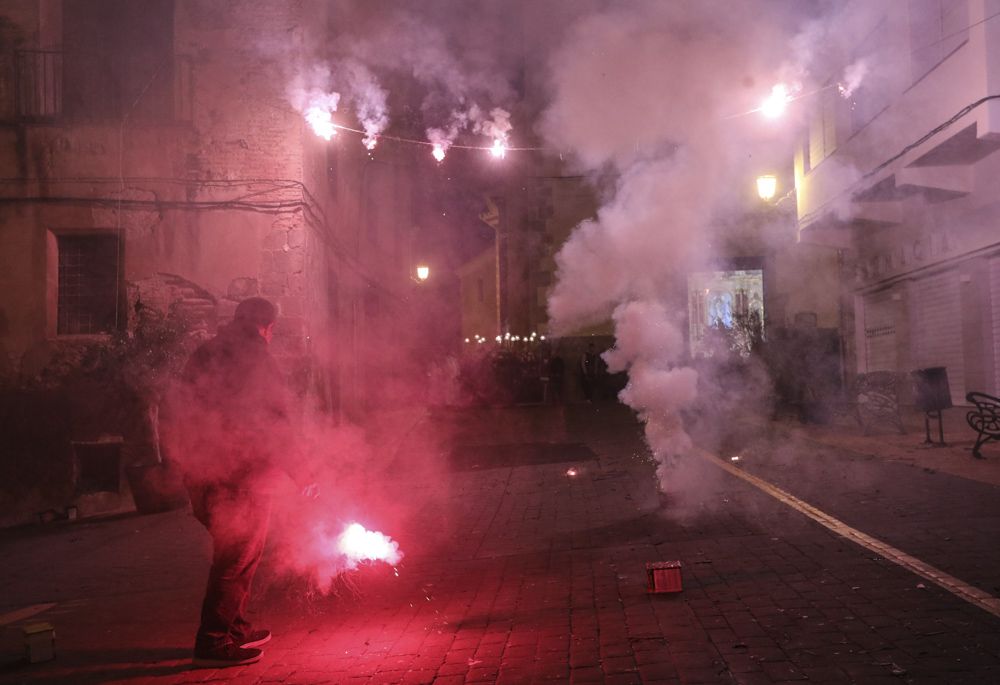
(517, 572)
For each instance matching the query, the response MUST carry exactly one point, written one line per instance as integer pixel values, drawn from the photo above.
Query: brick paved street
(516, 572)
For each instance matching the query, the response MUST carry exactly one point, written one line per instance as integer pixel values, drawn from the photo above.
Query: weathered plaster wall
(216, 200)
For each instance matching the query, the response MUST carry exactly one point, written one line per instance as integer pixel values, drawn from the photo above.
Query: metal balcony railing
(53, 85)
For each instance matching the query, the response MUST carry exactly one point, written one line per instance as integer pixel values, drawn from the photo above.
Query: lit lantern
(767, 187)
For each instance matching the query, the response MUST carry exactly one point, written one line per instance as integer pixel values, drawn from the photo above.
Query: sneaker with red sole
(255, 638)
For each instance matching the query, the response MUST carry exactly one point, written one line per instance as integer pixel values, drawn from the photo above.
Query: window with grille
(88, 284)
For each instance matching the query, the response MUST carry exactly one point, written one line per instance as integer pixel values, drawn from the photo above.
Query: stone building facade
(149, 157)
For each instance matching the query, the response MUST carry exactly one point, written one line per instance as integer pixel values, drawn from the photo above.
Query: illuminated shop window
(724, 304)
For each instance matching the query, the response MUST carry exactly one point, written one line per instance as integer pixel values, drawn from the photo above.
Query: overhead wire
(427, 143)
(312, 209)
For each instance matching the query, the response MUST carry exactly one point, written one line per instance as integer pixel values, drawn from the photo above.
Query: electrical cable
(312, 208)
(953, 34)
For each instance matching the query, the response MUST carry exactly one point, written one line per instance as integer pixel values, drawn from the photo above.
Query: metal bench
(984, 419)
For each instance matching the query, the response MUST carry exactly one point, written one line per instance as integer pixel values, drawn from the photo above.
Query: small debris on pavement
(39, 642)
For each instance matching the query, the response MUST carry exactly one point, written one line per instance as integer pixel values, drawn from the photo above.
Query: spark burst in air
(499, 150)
(321, 121)
(775, 103)
(358, 544)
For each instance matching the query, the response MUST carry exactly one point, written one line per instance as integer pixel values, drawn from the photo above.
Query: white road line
(959, 588)
(23, 613)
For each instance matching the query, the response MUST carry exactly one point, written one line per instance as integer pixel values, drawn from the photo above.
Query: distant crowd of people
(548, 373)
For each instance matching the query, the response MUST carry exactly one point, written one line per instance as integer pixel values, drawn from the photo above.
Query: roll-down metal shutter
(936, 329)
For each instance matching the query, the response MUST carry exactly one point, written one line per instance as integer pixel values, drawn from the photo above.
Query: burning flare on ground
(438, 152)
(499, 150)
(358, 544)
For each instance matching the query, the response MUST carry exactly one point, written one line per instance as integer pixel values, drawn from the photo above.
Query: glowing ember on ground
(438, 152)
(499, 150)
(734, 458)
(321, 121)
(358, 544)
(571, 472)
(774, 105)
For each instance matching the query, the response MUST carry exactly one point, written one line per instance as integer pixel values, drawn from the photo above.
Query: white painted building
(904, 177)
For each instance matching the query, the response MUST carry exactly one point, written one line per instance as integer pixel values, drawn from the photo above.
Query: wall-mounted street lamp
(423, 272)
(767, 187)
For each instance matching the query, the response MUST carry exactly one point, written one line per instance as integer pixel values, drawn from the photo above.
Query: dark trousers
(237, 521)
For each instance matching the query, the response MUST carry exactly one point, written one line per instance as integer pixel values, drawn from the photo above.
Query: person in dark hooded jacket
(232, 432)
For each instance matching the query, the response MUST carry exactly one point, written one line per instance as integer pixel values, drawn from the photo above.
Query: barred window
(88, 284)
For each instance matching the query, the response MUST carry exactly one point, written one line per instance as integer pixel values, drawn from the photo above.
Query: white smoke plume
(363, 90)
(454, 79)
(642, 92)
(310, 92)
(317, 92)
(645, 331)
(444, 137)
(854, 74)
(497, 127)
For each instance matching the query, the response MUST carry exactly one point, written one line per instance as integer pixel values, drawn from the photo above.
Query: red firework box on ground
(663, 576)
